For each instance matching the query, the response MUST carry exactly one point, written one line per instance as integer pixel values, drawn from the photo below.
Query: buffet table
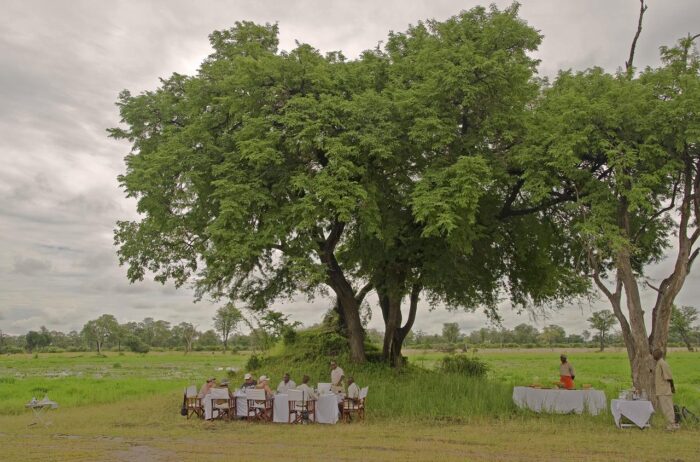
(560, 401)
(637, 411)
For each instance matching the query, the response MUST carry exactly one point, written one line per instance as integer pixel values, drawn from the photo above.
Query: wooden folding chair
(259, 405)
(193, 404)
(355, 406)
(222, 405)
(301, 407)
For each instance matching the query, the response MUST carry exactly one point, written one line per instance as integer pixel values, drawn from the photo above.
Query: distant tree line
(105, 333)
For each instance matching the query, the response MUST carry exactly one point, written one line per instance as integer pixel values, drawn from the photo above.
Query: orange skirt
(567, 381)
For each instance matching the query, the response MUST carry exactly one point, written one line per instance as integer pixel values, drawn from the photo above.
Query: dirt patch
(143, 453)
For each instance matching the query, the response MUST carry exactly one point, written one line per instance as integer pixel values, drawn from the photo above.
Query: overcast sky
(62, 64)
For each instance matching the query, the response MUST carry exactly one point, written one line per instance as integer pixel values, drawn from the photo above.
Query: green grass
(608, 371)
(126, 408)
(83, 379)
(415, 393)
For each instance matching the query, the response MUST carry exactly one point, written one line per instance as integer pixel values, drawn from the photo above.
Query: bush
(254, 363)
(53, 349)
(289, 335)
(11, 350)
(136, 345)
(461, 364)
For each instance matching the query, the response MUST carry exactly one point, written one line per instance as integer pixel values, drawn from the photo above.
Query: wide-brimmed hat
(263, 378)
(248, 376)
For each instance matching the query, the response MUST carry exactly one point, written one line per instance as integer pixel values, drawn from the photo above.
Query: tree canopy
(271, 173)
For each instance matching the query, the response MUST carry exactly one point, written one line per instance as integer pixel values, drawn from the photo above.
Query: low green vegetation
(432, 386)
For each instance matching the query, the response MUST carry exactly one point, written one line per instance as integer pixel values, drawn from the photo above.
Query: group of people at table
(337, 375)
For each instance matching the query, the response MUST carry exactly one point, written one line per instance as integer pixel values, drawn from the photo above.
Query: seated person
(263, 384)
(249, 382)
(353, 390)
(308, 391)
(286, 384)
(204, 391)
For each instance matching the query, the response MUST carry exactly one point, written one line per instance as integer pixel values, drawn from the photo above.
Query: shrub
(465, 365)
(253, 363)
(289, 335)
(136, 345)
(53, 349)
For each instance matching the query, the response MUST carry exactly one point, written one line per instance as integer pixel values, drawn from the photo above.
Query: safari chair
(259, 405)
(301, 407)
(357, 407)
(222, 405)
(193, 404)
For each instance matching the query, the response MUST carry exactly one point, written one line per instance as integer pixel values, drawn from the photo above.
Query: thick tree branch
(362, 293)
(629, 66)
(659, 213)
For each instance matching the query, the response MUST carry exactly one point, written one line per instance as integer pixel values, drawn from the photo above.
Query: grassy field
(126, 408)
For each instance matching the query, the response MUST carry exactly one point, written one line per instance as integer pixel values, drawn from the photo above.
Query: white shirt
(336, 375)
(308, 391)
(353, 391)
(284, 387)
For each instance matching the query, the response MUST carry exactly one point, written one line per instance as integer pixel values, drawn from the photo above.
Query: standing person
(566, 373)
(337, 376)
(286, 384)
(663, 382)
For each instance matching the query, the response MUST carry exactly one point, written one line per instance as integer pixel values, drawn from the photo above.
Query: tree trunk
(602, 341)
(395, 334)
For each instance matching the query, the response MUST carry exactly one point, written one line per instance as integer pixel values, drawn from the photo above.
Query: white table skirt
(560, 401)
(326, 409)
(638, 411)
(241, 405)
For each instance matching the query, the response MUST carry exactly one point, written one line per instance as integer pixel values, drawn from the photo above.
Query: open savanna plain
(126, 407)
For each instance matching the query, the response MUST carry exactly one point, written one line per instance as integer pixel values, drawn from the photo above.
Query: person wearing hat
(249, 382)
(286, 384)
(204, 391)
(263, 384)
(566, 373)
(337, 376)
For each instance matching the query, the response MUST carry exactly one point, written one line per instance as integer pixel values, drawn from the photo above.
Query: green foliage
(136, 345)
(254, 363)
(465, 365)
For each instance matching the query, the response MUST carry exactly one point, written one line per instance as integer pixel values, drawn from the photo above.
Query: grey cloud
(30, 266)
(64, 63)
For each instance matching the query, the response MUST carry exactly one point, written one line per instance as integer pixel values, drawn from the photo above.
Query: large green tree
(226, 320)
(602, 321)
(273, 173)
(628, 145)
(99, 330)
(682, 320)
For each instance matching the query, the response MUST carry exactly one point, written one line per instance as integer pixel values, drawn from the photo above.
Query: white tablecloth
(241, 405)
(639, 411)
(326, 409)
(560, 401)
